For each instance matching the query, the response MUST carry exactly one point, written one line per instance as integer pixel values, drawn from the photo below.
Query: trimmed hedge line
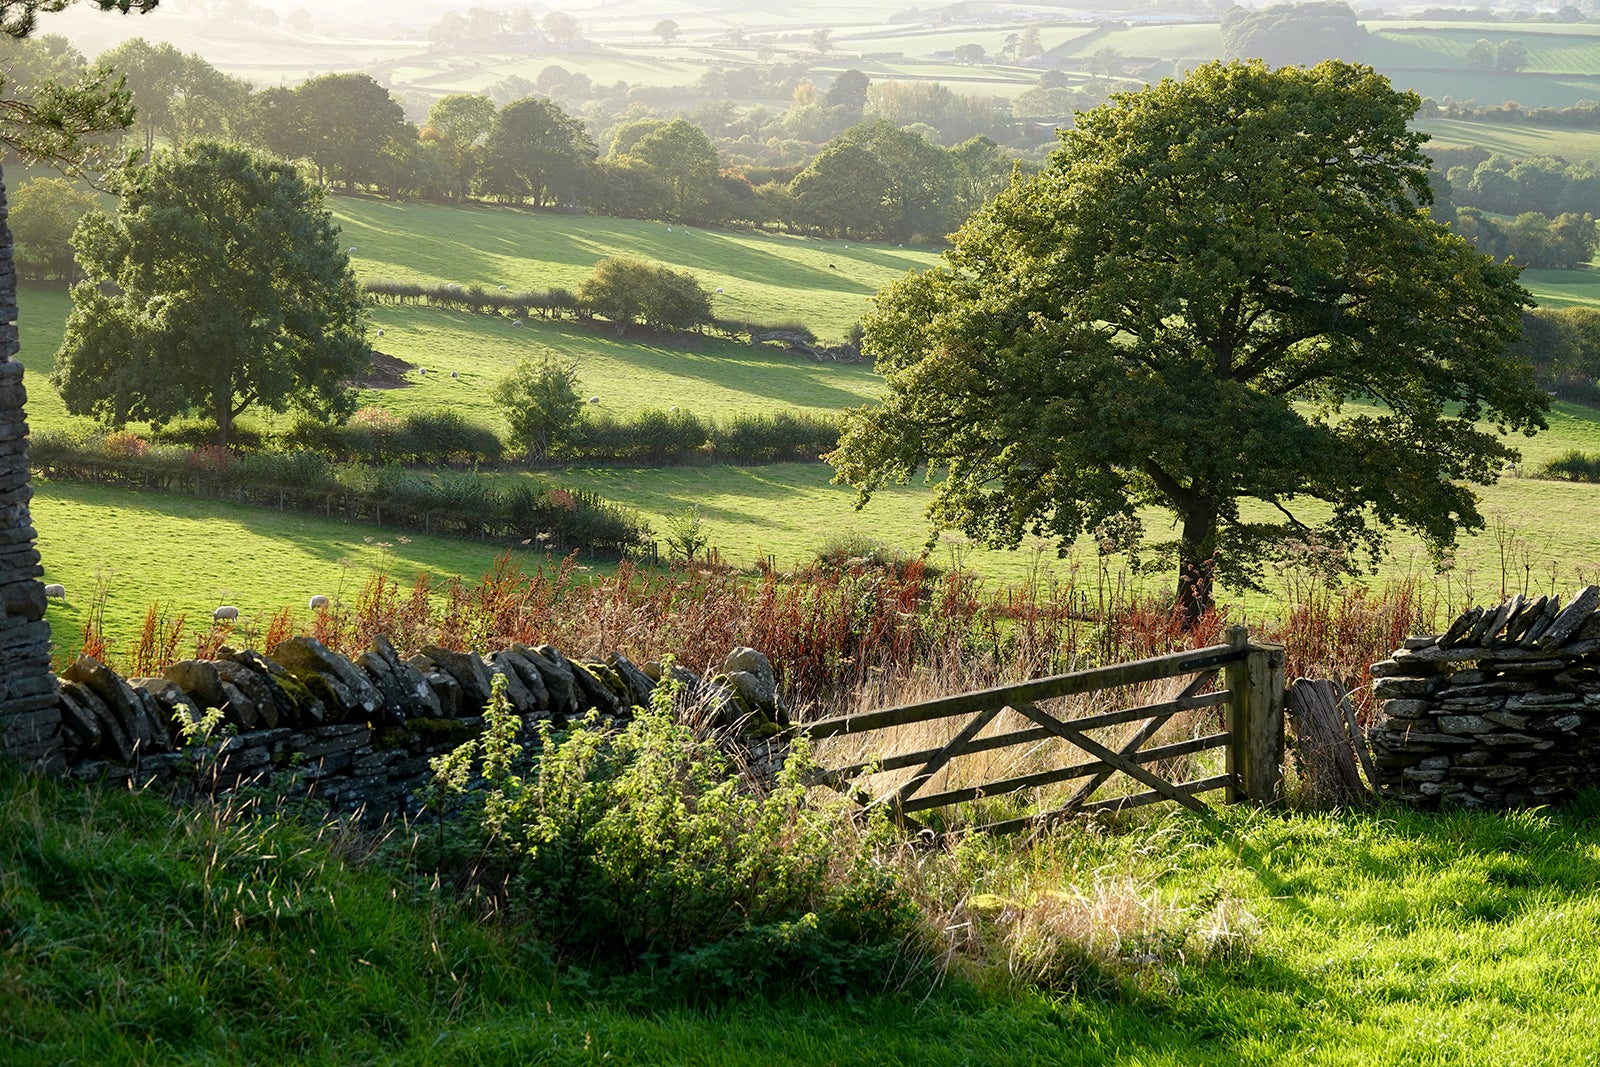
(554, 303)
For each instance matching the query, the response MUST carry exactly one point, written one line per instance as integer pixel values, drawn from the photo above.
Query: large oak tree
(219, 285)
(1183, 310)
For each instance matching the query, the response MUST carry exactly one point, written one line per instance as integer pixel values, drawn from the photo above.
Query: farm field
(1516, 140)
(764, 277)
(785, 512)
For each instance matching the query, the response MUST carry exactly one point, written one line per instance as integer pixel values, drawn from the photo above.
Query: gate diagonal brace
(1143, 734)
(1117, 760)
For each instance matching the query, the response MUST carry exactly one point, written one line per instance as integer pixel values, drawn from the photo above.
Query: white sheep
(594, 400)
(380, 333)
(225, 612)
(455, 374)
(516, 322)
(719, 288)
(422, 372)
(318, 603)
(503, 288)
(673, 410)
(350, 251)
(55, 592)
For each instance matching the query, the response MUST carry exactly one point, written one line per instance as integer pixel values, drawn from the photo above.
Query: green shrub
(770, 438)
(643, 842)
(442, 436)
(667, 435)
(1574, 466)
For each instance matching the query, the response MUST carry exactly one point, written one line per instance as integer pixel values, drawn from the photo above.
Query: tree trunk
(1197, 564)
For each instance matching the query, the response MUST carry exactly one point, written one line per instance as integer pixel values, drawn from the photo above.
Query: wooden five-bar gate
(1251, 735)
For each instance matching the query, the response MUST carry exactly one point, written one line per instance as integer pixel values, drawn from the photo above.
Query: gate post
(1255, 720)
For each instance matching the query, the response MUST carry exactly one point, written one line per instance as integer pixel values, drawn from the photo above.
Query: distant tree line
(1538, 211)
(854, 159)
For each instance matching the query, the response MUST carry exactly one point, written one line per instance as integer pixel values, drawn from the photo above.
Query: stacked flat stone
(30, 723)
(359, 734)
(1501, 710)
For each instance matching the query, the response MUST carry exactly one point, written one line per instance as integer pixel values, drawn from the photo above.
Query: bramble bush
(644, 845)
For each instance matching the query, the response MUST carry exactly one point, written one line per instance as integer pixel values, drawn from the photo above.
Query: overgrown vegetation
(1169, 939)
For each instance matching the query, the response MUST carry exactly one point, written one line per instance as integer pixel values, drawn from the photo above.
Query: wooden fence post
(1255, 720)
(1237, 677)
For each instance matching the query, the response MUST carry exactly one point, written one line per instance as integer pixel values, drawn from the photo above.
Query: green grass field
(1517, 141)
(764, 277)
(786, 512)
(137, 933)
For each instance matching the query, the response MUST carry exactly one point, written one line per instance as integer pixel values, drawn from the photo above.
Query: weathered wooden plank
(1061, 774)
(1263, 741)
(1037, 733)
(1136, 800)
(1145, 670)
(953, 748)
(1117, 760)
(1139, 800)
(1140, 736)
(1237, 717)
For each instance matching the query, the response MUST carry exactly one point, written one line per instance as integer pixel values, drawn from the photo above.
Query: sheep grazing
(422, 372)
(318, 603)
(832, 267)
(594, 400)
(226, 612)
(55, 592)
(719, 288)
(455, 374)
(350, 251)
(516, 322)
(380, 333)
(672, 410)
(503, 288)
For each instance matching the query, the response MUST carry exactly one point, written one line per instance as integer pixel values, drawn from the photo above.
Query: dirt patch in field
(388, 372)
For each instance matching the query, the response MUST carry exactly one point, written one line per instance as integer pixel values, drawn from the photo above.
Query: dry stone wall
(1501, 710)
(359, 734)
(29, 720)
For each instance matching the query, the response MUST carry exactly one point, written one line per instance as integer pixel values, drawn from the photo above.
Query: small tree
(627, 289)
(1511, 56)
(686, 533)
(44, 212)
(541, 404)
(667, 30)
(218, 285)
(1482, 56)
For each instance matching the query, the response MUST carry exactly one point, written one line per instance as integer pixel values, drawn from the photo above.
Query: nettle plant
(645, 845)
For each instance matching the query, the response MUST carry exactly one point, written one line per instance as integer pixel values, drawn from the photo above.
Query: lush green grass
(764, 277)
(1516, 140)
(709, 377)
(131, 933)
(192, 555)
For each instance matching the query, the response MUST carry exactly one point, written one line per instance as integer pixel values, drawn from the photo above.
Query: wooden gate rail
(1252, 737)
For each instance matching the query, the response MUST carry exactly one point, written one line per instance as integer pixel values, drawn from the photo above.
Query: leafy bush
(651, 435)
(627, 289)
(1573, 466)
(631, 844)
(442, 436)
(769, 438)
(541, 403)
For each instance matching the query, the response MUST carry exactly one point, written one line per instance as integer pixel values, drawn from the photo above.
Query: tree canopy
(219, 285)
(535, 151)
(44, 212)
(1220, 290)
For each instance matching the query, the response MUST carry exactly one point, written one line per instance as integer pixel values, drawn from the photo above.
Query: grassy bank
(131, 933)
